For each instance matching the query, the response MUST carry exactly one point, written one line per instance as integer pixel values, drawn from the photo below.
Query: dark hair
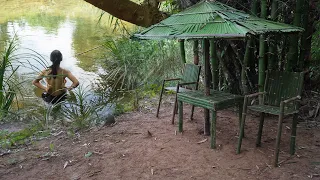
(55, 58)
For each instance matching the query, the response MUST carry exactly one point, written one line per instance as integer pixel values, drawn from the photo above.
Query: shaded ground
(127, 151)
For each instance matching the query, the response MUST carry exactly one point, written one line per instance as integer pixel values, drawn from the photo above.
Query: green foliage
(11, 139)
(8, 83)
(132, 66)
(80, 109)
(51, 147)
(315, 45)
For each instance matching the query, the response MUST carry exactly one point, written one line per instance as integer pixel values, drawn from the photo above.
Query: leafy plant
(8, 83)
(132, 66)
(11, 139)
(81, 109)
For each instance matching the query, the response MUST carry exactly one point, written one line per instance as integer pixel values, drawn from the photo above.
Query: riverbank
(141, 146)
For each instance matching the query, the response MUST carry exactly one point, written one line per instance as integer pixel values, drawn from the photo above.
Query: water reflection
(44, 33)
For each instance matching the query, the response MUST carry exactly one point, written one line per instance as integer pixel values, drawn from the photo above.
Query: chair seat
(181, 89)
(271, 109)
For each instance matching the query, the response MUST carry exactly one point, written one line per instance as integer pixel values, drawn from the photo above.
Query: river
(76, 34)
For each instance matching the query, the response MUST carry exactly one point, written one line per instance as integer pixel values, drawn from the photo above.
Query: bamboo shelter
(210, 20)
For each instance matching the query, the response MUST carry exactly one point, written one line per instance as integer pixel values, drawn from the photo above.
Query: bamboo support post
(162, 89)
(243, 119)
(261, 122)
(214, 63)
(182, 51)
(180, 106)
(276, 152)
(213, 129)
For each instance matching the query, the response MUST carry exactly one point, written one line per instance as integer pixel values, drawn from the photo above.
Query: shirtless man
(55, 77)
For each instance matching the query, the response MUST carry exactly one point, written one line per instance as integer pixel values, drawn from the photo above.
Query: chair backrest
(191, 73)
(281, 86)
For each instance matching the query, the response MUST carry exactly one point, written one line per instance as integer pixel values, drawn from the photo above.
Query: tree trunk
(294, 38)
(144, 15)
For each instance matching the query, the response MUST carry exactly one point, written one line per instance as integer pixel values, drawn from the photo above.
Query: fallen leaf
(88, 154)
(202, 141)
(65, 164)
(151, 171)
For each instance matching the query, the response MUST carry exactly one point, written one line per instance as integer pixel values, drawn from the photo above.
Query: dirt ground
(127, 151)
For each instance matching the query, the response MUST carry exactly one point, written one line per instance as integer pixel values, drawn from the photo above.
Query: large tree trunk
(144, 15)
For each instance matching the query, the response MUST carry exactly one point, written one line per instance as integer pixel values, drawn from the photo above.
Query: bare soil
(141, 146)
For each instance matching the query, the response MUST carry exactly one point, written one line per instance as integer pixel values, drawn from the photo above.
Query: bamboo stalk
(196, 52)
(214, 63)
(243, 119)
(303, 58)
(207, 83)
(276, 152)
(213, 129)
(161, 92)
(244, 79)
(180, 106)
(262, 50)
(182, 51)
(293, 134)
(294, 38)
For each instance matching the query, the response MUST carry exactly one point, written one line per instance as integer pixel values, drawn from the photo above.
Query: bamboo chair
(281, 92)
(188, 81)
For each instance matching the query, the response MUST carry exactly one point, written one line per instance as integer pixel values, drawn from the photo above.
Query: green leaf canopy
(212, 19)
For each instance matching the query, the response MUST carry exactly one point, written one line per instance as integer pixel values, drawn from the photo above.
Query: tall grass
(131, 66)
(81, 109)
(8, 83)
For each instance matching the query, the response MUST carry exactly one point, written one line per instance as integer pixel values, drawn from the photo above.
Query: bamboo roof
(212, 19)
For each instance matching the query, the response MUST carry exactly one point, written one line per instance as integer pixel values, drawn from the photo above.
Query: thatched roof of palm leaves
(212, 19)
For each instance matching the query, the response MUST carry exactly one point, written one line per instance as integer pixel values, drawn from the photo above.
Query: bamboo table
(217, 100)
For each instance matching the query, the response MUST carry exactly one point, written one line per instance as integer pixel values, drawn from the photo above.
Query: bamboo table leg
(180, 106)
(213, 129)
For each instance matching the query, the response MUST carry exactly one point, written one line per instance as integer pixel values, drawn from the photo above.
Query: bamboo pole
(213, 129)
(244, 80)
(182, 51)
(272, 61)
(303, 58)
(243, 119)
(196, 52)
(180, 107)
(214, 63)
(205, 46)
(293, 134)
(294, 38)
(276, 152)
(262, 49)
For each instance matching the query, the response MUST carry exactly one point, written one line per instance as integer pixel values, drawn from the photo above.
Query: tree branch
(144, 15)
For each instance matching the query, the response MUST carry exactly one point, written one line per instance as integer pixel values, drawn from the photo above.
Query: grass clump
(133, 67)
